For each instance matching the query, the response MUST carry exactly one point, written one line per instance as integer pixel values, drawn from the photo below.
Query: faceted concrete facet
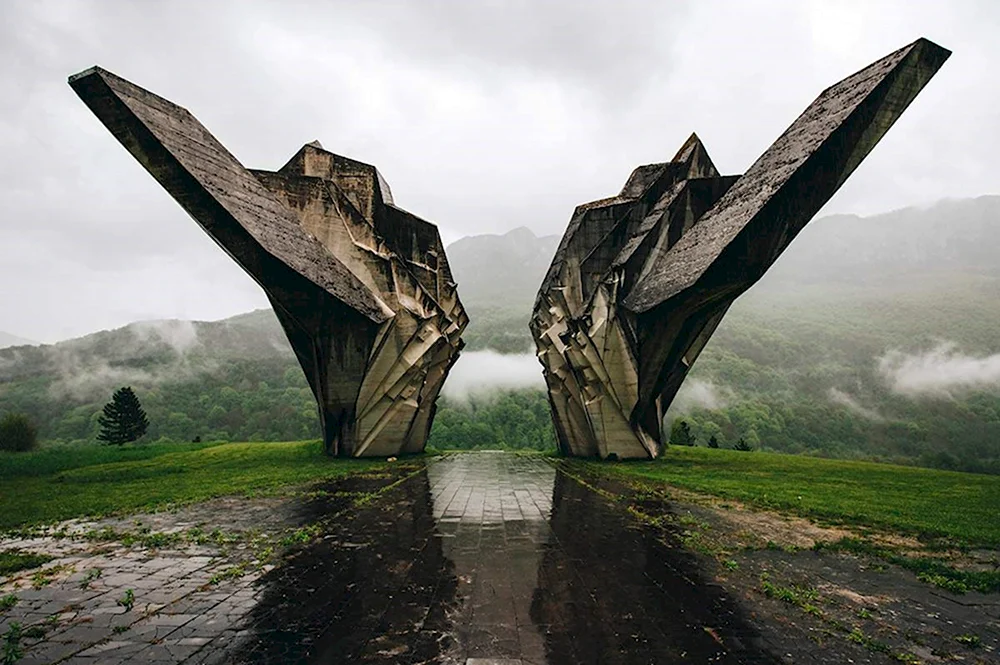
(361, 287)
(641, 280)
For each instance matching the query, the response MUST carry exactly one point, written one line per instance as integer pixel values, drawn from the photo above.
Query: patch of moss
(12, 561)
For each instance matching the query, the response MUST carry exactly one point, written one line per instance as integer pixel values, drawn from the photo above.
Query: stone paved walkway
(495, 558)
(82, 614)
(168, 587)
(492, 513)
(479, 559)
(482, 558)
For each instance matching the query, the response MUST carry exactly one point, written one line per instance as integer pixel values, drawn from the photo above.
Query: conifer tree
(123, 419)
(680, 434)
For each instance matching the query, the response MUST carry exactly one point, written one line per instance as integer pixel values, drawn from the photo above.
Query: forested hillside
(498, 278)
(872, 337)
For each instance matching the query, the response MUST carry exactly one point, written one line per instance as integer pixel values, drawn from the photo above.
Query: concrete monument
(361, 287)
(641, 280)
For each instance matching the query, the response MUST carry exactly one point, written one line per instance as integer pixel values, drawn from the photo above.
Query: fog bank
(848, 401)
(940, 372)
(699, 394)
(479, 372)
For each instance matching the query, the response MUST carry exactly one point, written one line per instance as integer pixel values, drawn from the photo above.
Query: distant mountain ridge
(500, 269)
(499, 274)
(6, 340)
(960, 235)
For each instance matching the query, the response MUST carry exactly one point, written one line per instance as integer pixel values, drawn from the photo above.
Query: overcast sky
(483, 116)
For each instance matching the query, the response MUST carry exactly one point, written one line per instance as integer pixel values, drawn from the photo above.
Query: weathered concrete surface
(641, 280)
(482, 558)
(362, 288)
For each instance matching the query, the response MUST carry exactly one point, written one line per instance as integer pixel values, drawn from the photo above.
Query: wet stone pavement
(479, 558)
(475, 559)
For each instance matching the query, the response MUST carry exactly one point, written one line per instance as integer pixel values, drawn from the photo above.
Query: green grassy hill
(927, 503)
(48, 486)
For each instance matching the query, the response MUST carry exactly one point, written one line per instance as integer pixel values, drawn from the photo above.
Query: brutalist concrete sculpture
(361, 287)
(641, 280)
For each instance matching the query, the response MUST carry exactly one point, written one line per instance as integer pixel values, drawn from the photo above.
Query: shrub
(17, 433)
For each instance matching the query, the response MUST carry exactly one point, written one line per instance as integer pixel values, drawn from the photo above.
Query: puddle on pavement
(493, 556)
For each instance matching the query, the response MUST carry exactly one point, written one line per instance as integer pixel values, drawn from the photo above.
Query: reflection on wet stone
(492, 513)
(477, 559)
(612, 590)
(361, 593)
(492, 558)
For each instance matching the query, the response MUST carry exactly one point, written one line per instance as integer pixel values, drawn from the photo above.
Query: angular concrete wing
(641, 280)
(361, 287)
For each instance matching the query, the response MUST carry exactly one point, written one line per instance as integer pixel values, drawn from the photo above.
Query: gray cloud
(484, 116)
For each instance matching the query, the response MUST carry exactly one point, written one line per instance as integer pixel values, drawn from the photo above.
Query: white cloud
(940, 372)
(179, 335)
(700, 394)
(480, 372)
(851, 404)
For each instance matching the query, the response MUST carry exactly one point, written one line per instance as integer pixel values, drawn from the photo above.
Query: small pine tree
(123, 419)
(17, 433)
(713, 442)
(743, 445)
(680, 434)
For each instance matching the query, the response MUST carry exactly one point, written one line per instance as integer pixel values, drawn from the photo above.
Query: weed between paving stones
(247, 550)
(127, 601)
(91, 575)
(971, 641)
(12, 651)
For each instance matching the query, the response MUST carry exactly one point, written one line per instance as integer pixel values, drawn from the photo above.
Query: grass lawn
(57, 484)
(60, 458)
(962, 506)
